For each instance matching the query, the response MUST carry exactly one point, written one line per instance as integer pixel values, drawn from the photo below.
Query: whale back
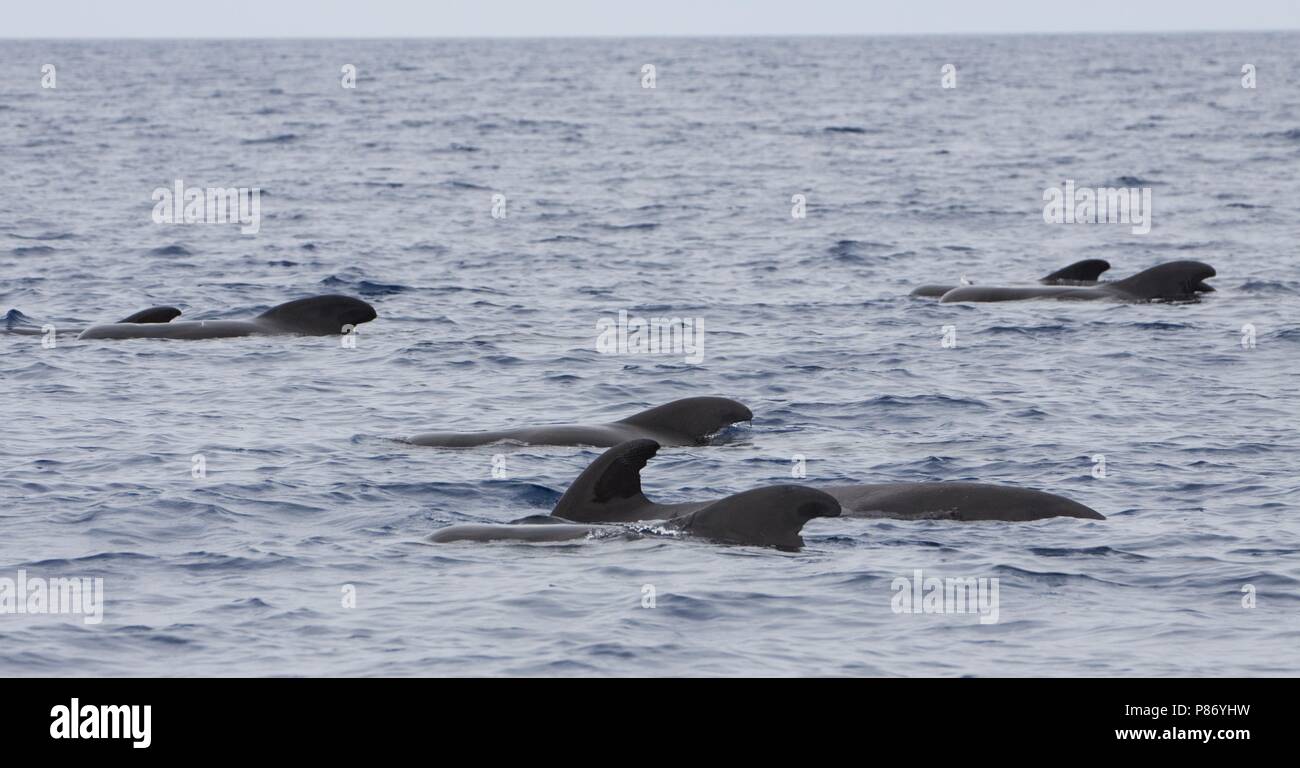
(767, 517)
(955, 501)
(153, 315)
(1086, 271)
(609, 489)
(694, 418)
(1169, 281)
(317, 315)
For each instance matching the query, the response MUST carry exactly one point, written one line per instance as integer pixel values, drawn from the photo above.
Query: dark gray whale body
(17, 322)
(765, 517)
(1084, 272)
(690, 421)
(610, 491)
(1171, 281)
(314, 316)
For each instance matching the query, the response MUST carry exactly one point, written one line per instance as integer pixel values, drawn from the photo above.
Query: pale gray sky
(579, 18)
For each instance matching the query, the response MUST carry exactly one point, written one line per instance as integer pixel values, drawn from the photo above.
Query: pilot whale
(1171, 281)
(609, 490)
(690, 421)
(772, 516)
(1084, 272)
(312, 316)
(17, 322)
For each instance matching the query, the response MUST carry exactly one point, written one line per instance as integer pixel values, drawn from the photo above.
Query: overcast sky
(580, 18)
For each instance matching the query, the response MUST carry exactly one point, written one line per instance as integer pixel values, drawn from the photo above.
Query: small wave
(170, 250)
(1289, 135)
(1119, 71)
(283, 138)
(364, 287)
(45, 236)
(923, 401)
(1159, 326)
(32, 250)
(426, 247)
(643, 227)
(854, 250)
(1130, 181)
(1267, 287)
(1098, 551)
(456, 184)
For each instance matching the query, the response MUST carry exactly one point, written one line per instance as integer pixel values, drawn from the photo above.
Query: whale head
(694, 418)
(318, 315)
(763, 517)
(1171, 281)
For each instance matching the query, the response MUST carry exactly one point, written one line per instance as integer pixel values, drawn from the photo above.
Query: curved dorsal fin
(318, 315)
(612, 483)
(693, 417)
(153, 315)
(1086, 271)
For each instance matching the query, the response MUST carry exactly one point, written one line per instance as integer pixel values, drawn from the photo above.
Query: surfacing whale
(1085, 272)
(1171, 281)
(763, 517)
(690, 421)
(17, 322)
(609, 490)
(313, 316)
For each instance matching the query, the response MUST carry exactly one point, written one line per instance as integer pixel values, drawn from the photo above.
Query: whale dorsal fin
(765, 517)
(318, 315)
(1086, 271)
(153, 315)
(1171, 280)
(694, 417)
(610, 485)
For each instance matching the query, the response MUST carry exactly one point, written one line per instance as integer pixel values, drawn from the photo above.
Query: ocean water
(671, 201)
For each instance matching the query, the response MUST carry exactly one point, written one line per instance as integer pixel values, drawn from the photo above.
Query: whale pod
(763, 517)
(313, 316)
(1085, 272)
(1171, 281)
(609, 490)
